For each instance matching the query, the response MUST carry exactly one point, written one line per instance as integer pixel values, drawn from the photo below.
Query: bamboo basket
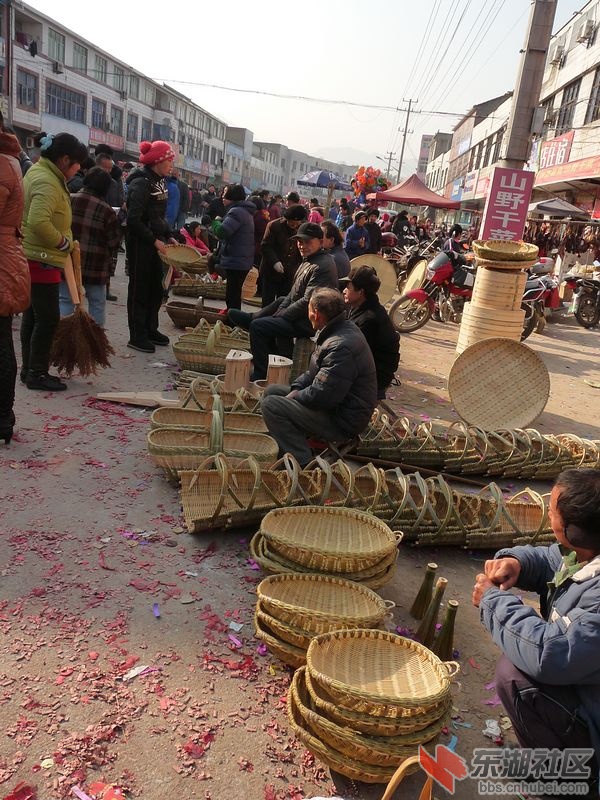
(378, 672)
(176, 450)
(197, 287)
(505, 251)
(329, 539)
(200, 393)
(185, 257)
(498, 289)
(287, 633)
(208, 357)
(183, 315)
(190, 419)
(292, 656)
(415, 725)
(321, 604)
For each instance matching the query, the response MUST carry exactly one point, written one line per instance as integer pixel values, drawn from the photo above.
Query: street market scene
(300, 454)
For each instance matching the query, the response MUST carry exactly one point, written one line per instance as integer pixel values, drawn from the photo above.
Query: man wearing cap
(280, 255)
(367, 313)
(147, 235)
(335, 398)
(273, 329)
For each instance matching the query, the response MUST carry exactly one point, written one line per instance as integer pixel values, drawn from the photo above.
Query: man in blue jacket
(548, 677)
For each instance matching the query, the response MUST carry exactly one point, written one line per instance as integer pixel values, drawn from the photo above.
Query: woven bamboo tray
(283, 631)
(320, 604)
(501, 250)
(192, 419)
(351, 768)
(414, 727)
(185, 257)
(288, 653)
(498, 384)
(329, 539)
(385, 272)
(497, 289)
(378, 672)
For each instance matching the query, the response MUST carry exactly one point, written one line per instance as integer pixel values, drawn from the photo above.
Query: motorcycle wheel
(408, 315)
(531, 320)
(588, 313)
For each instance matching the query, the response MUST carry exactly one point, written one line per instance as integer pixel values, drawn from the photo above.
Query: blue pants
(96, 298)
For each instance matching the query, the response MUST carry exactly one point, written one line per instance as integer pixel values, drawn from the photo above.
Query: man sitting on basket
(335, 398)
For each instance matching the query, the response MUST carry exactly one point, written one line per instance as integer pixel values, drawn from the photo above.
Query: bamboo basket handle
(398, 777)
(398, 536)
(496, 492)
(255, 469)
(205, 464)
(376, 476)
(217, 406)
(347, 475)
(218, 329)
(389, 604)
(451, 667)
(216, 433)
(227, 480)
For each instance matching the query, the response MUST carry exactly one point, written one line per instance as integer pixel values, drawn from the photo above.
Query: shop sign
(506, 205)
(192, 164)
(98, 136)
(572, 170)
(457, 189)
(205, 170)
(469, 184)
(556, 151)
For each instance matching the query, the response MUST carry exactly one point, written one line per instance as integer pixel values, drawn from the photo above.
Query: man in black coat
(335, 398)
(273, 329)
(365, 310)
(374, 231)
(280, 255)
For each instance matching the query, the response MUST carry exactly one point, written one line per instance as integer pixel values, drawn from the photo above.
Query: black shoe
(6, 427)
(158, 338)
(111, 297)
(143, 347)
(23, 375)
(44, 382)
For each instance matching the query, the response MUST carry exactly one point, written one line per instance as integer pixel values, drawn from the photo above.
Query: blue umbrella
(324, 180)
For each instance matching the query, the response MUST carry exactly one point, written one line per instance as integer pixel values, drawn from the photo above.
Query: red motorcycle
(447, 286)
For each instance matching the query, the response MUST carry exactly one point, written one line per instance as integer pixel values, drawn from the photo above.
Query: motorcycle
(448, 284)
(406, 257)
(586, 299)
(540, 298)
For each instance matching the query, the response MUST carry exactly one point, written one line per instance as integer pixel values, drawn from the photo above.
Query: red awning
(413, 192)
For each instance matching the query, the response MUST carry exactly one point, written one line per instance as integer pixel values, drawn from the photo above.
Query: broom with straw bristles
(79, 342)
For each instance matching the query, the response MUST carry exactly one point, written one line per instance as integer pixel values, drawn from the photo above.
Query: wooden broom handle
(426, 793)
(72, 270)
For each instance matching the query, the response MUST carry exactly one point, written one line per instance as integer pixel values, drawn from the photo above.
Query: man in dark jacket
(280, 255)
(236, 232)
(147, 234)
(216, 207)
(401, 227)
(365, 310)
(273, 329)
(374, 231)
(335, 398)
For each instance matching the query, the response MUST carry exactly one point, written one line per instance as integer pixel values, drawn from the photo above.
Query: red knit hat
(155, 152)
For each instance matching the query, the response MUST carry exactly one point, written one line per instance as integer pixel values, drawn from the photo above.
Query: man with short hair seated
(360, 294)
(335, 398)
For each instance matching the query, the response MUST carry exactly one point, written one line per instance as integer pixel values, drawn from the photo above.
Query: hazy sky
(447, 54)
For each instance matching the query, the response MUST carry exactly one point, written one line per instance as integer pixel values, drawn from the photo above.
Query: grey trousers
(291, 424)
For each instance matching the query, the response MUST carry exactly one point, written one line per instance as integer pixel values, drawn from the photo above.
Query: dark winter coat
(278, 245)
(401, 227)
(374, 237)
(115, 196)
(342, 262)
(383, 339)
(146, 206)
(216, 208)
(237, 233)
(261, 220)
(341, 377)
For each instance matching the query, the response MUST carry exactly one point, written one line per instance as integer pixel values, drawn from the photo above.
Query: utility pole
(389, 167)
(526, 95)
(404, 135)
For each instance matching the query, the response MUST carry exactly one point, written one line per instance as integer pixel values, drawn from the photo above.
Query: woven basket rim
(179, 254)
(501, 250)
(296, 655)
(330, 682)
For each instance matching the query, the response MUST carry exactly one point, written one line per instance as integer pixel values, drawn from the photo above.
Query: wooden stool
(279, 369)
(237, 370)
(303, 350)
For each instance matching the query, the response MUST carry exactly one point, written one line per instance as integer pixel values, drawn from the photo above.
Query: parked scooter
(541, 296)
(586, 299)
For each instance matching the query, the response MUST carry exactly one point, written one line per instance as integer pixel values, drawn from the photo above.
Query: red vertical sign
(506, 206)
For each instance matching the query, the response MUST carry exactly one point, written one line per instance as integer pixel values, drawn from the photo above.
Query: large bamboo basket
(378, 672)
(505, 251)
(201, 355)
(190, 419)
(286, 652)
(498, 289)
(329, 539)
(223, 334)
(321, 604)
(283, 631)
(186, 258)
(197, 287)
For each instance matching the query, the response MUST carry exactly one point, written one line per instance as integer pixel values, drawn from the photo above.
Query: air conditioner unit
(58, 67)
(586, 31)
(123, 94)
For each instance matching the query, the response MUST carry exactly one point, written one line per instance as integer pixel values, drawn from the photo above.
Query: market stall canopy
(555, 207)
(324, 180)
(413, 192)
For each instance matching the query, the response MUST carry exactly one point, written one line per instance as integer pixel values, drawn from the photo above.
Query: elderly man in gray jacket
(335, 398)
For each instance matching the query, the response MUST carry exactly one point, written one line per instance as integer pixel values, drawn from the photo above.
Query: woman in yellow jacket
(47, 242)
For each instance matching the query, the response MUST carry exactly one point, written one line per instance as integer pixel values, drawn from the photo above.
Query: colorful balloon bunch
(369, 179)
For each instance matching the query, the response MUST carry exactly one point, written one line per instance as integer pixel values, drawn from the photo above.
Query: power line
(435, 50)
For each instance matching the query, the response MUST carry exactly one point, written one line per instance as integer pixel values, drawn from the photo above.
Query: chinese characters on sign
(556, 151)
(506, 205)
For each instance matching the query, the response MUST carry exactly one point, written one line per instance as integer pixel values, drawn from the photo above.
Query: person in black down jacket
(146, 236)
(280, 255)
(273, 329)
(335, 398)
(236, 231)
(370, 316)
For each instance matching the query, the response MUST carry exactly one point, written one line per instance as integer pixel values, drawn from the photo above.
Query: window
(119, 79)
(549, 116)
(27, 90)
(489, 143)
(567, 107)
(134, 87)
(98, 114)
(146, 129)
(65, 103)
(80, 58)
(593, 109)
(101, 71)
(56, 46)
(116, 120)
(498, 145)
(206, 155)
(150, 95)
(132, 127)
